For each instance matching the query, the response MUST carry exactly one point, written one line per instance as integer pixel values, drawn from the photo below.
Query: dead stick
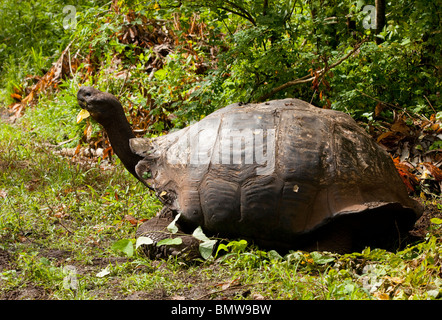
(430, 103)
(383, 102)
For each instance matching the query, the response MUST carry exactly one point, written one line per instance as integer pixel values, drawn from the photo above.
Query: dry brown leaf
(408, 178)
(400, 126)
(434, 171)
(378, 109)
(395, 280)
(77, 150)
(435, 127)
(16, 96)
(228, 284)
(257, 296)
(131, 219)
(384, 135)
(107, 152)
(382, 296)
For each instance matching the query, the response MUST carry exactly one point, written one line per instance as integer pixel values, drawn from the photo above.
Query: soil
(196, 289)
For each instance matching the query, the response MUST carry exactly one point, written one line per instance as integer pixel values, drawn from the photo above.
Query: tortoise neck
(120, 132)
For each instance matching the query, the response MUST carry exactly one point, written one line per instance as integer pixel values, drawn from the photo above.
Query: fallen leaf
(228, 284)
(384, 135)
(378, 109)
(407, 177)
(107, 152)
(103, 273)
(257, 296)
(382, 296)
(435, 127)
(131, 219)
(400, 126)
(88, 131)
(434, 171)
(396, 280)
(16, 96)
(77, 150)
(125, 246)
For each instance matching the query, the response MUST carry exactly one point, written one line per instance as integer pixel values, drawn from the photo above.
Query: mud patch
(27, 293)
(55, 254)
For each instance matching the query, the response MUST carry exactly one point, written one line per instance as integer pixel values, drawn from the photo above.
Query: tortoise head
(102, 106)
(108, 111)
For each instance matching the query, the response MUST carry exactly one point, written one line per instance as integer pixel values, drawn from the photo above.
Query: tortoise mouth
(82, 103)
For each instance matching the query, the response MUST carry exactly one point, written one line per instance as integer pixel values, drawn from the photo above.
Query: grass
(59, 220)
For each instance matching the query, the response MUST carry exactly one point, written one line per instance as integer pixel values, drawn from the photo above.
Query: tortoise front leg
(156, 229)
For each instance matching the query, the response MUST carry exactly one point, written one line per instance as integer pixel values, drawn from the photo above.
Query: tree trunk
(380, 19)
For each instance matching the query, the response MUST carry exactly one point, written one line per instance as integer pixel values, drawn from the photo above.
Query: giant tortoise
(283, 174)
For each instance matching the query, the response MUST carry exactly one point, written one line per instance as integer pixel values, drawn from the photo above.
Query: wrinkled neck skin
(119, 133)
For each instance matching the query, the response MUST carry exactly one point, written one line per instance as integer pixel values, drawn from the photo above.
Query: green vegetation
(67, 223)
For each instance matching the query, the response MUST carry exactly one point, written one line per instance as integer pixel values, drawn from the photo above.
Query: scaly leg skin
(156, 229)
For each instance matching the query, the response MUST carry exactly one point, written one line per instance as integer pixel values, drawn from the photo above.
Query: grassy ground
(60, 219)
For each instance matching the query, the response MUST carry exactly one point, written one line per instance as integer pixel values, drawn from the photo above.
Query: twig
(309, 78)
(124, 82)
(386, 103)
(377, 100)
(64, 142)
(59, 220)
(429, 103)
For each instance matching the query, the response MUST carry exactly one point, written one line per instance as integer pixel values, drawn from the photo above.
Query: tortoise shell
(282, 173)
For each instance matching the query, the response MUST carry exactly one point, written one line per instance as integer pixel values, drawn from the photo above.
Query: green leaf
(172, 226)
(235, 246)
(274, 255)
(124, 245)
(436, 220)
(206, 248)
(320, 259)
(222, 246)
(170, 242)
(161, 74)
(405, 41)
(199, 234)
(143, 240)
